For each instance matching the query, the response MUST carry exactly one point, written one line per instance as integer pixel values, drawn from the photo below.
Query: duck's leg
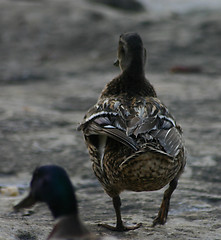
(164, 208)
(120, 227)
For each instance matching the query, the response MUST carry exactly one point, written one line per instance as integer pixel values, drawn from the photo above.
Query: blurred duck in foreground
(51, 184)
(133, 141)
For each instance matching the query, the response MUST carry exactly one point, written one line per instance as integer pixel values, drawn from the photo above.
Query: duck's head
(51, 184)
(131, 53)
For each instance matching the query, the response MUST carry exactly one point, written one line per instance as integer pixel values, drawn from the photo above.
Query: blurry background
(56, 56)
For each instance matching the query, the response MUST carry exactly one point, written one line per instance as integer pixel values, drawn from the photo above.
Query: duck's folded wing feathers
(157, 125)
(170, 140)
(147, 121)
(110, 131)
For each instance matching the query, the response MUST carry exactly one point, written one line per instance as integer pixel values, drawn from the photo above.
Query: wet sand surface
(56, 56)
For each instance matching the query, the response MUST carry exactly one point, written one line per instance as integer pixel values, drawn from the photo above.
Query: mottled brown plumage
(134, 142)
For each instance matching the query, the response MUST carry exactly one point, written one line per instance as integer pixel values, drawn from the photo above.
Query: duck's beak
(25, 203)
(116, 63)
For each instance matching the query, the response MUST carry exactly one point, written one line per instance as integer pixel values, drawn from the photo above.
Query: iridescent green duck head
(51, 184)
(131, 53)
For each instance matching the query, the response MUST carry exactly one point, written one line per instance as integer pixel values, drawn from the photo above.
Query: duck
(133, 140)
(52, 185)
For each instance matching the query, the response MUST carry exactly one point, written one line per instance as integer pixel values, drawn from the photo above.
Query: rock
(125, 5)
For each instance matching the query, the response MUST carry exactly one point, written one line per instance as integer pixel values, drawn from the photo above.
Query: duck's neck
(134, 80)
(63, 206)
(136, 69)
(131, 82)
(68, 227)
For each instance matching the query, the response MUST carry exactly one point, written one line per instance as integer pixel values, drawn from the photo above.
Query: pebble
(10, 191)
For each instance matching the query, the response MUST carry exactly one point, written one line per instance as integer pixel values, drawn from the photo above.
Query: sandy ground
(55, 57)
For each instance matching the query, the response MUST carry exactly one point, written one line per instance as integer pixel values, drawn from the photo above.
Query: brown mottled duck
(133, 141)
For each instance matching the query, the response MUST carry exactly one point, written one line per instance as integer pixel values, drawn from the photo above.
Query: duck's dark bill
(25, 203)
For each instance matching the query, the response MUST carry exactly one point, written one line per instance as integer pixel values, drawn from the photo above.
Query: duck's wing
(106, 118)
(152, 123)
(135, 123)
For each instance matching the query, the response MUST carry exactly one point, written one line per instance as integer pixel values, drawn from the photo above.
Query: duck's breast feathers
(134, 122)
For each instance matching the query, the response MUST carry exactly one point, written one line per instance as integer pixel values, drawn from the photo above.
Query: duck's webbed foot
(164, 208)
(120, 227)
